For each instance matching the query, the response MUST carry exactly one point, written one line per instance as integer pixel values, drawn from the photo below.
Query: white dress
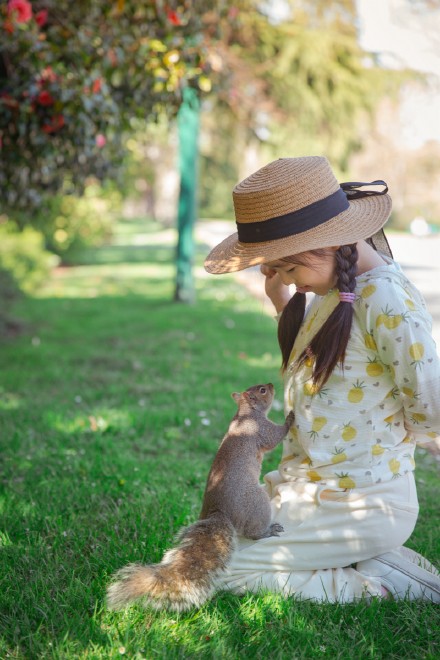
(345, 489)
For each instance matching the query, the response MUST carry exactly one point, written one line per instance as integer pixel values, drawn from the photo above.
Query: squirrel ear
(236, 396)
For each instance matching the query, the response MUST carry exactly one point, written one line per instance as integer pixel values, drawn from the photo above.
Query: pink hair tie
(347, 297)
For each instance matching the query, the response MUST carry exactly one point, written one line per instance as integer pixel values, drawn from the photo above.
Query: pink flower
(100, 140)
(48, 74)
(57, 122)
(20, 10)
(97, 84)
(173, 17)
(41, 17)
(45, 98)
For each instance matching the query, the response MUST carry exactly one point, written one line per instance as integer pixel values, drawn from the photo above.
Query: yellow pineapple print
(313, 475)
(345, 481)
(393, 393)
(338, 456)
(306, 461)
(374, 368)
(418, 418)
(293, 433)
(318, 424)
(309, 361)
(394, 466)
(310, 389)
(348, 432)
(370, 342)
(290, 457)
(407, 391)
(417, 351)
(377, 449)
(410, 304)
(356, 393)
(389, 320)
(389, 421)
(368, 291)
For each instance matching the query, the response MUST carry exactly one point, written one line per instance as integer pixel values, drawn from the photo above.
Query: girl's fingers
(268, 272)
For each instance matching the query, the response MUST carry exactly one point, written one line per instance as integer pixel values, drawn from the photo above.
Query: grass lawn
(112, 402)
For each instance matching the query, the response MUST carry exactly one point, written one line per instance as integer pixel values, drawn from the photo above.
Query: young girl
(362, 375)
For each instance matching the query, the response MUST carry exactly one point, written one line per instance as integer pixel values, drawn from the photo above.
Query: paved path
(419, 258)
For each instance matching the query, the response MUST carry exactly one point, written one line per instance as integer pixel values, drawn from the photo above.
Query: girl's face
(308, 271)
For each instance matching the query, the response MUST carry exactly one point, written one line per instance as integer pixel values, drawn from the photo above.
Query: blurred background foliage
(89, 92)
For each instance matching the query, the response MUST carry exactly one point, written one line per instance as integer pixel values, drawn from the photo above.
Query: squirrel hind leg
(275, 529)
(272, 530)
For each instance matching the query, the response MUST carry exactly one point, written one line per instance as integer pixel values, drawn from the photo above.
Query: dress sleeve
(400, 327)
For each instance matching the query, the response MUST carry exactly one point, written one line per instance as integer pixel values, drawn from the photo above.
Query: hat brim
(363, 218)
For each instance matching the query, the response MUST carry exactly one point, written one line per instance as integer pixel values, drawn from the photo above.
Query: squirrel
(234, 503)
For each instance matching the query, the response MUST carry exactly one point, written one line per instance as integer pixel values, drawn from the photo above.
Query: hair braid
(329, 344)
(346, 263)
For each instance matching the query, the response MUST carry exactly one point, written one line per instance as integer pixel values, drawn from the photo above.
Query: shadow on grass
(112, 409)
(108, 434)
(105, 458)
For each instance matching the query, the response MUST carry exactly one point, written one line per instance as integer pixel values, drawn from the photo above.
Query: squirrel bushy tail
(184, 578)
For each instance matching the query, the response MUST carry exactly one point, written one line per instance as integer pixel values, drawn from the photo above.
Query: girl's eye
(290, 270)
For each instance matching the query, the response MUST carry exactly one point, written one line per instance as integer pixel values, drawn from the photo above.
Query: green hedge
(23, 256)
(24, 265)
(69, 223)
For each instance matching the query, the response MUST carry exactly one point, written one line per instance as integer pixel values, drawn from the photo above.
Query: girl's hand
(278, 292)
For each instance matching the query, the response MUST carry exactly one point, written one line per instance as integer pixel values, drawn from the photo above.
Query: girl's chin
(303, 289)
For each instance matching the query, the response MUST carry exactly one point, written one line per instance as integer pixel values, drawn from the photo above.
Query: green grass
(112, 402)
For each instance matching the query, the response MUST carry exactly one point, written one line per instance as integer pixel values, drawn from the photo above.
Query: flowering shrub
(74, 75)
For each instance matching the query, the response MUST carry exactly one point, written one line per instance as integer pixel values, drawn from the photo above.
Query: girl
(361, 374)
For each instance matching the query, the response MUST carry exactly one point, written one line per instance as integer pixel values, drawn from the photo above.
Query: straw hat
(294, 205)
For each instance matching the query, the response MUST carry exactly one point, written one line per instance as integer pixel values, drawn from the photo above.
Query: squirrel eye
(262, 390)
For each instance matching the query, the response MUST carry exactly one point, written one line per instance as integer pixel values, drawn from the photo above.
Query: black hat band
(306, 218)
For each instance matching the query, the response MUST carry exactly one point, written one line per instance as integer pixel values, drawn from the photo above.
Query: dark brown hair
(328, 346)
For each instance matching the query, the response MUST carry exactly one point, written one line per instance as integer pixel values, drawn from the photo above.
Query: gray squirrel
(234, 503)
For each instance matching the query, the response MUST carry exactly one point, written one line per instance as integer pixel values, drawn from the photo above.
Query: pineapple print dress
(345, 490)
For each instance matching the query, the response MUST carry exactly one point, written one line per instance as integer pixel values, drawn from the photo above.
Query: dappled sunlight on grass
(9, 400)
(96, 421)
(101, 281)
(114, 400)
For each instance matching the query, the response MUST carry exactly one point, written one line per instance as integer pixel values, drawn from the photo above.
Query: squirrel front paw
(290, 419)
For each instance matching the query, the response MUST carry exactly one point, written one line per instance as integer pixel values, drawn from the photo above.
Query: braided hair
(329, 344)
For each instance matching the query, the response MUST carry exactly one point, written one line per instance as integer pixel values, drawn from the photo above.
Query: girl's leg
(326, 531)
